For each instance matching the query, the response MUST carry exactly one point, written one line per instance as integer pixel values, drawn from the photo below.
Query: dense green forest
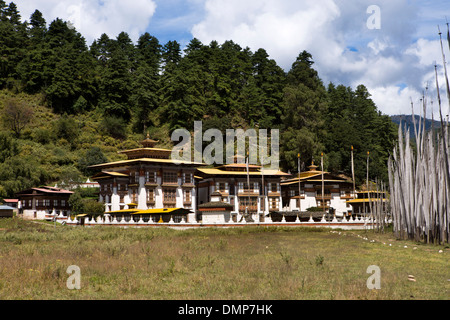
(65, 105)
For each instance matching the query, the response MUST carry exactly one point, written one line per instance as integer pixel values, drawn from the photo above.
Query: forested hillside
(65, 104)
(408, 123)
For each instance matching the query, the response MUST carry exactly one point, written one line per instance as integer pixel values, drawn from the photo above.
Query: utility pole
(299, 187)
(323, 184)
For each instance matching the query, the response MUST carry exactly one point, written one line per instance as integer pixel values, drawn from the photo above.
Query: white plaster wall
(292, 205)
(115, 200)
(126, 199)
(338, 204)
(29, 214)
(179, 199)
(215, 217)
(158, 198)
(309, 201)
(142, 194)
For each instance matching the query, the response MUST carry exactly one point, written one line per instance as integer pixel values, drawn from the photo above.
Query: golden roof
(266, 172)
(163, 211)
(313, 173)
(146, 160)
(125, 211)
(108, 174)
(149, 211)
(145, 149)
(364, 200)
(148, 143)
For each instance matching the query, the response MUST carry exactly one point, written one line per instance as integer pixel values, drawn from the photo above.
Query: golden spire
(149, 143)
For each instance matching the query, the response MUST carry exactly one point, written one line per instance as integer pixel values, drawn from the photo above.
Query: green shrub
(319, 260)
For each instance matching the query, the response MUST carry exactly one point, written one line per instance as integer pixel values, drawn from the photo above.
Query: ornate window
(150, 196)
(273, 203)
(134, 196)
(150, 177)
(134, 177)
(170, 196)
(274, 187)
(187, 178)
(187, 196)
(170, 177)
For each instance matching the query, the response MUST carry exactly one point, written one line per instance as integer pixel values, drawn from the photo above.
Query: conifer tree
(13, 41)
(115, 85)
(38, 27)
(304, 105)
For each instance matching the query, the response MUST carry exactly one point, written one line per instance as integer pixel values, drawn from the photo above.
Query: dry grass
(242, 263)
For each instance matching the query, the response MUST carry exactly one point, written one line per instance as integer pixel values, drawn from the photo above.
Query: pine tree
(13, 42)
(183, 91)
(102, 48)
(3, 7)
(149, 52)
(270, 80)
(71, 65)
(171, 54)
(38, 27)
(144, 97)
(304, 105)
(115, 85)
(145, 83)
(124, 44)
(353, 120)
(63, 91)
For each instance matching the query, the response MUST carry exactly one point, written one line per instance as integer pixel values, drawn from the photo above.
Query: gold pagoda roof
(313, 175)
(145, 160)
(219, 171)
(147, 150)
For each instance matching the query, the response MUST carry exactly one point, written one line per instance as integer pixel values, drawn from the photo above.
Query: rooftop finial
(149, 143)
(312, 167)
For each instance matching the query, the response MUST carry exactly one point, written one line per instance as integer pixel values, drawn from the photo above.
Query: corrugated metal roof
(45, 189)
(7, 208)
(52, 190)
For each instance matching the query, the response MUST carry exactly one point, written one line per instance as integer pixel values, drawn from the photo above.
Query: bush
(66, 128)
(315, 209)
(80, 105)
(42, 135)
(93, 207)
(91, 193)
(92, 157)
(319, 260)
(114, 127)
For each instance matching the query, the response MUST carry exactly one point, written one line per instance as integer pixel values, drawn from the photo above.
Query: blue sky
(173, 20)
(395, 61)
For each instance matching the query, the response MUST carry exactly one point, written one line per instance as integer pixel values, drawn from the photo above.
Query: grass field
(224, 264)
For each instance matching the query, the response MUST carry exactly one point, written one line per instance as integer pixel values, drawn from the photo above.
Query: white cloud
(393, 100)
(391, 62)
(427, 51)
(92, 18)
(283, 28)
